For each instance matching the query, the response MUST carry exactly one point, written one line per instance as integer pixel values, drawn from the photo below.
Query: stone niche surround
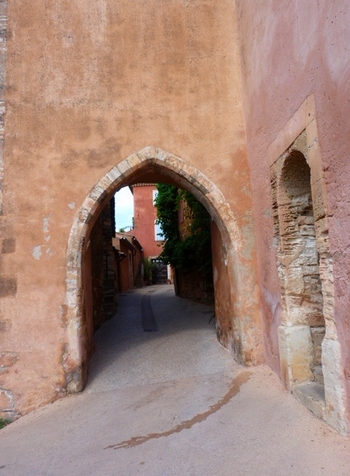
(310, 352)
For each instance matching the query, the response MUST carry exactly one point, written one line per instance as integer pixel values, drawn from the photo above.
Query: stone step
(311, 394)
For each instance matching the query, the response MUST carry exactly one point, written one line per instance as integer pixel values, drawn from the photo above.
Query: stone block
(311, 394)
(294, 281)
(123, 167)
(318, 374)
(114, 174)
(105, 183)
(147, 153)
(318, 195)
(173, 163)
(314, 154)
(317, 336)
(134, 161)
(295, 126)
(296, 351)
(305, 220)
(97, 192)
(159, 154)
(335, 394)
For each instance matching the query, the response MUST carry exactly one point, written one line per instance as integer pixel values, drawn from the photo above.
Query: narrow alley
(169, 402)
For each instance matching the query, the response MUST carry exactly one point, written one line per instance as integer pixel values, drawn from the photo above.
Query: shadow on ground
(126, 355)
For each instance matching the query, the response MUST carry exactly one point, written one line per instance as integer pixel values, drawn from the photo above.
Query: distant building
(129, 261)
(146, 229)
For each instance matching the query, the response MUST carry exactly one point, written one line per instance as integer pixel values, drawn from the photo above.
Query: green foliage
(148, 267)
(4, 422)
(166, 203)
(194, 250)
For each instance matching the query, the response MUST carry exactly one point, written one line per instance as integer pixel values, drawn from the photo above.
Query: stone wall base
(295, 344)
(335, 411)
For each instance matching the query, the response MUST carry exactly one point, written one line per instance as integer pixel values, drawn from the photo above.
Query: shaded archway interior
(147, 174)
(233, 272)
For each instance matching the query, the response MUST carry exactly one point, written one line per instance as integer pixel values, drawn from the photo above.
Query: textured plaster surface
(89, 84)
(290, 52)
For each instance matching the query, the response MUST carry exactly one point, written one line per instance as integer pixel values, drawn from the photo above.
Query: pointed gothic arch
(243, 340)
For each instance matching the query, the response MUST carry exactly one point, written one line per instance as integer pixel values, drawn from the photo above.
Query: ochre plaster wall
(87, 84)
(292, 51)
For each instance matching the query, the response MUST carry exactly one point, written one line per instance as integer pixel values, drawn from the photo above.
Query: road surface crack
(235, 386)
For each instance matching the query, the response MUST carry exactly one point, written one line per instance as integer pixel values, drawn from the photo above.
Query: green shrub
(4, 422)
(193, 251)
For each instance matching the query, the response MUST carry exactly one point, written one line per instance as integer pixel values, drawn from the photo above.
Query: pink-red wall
(291, 51)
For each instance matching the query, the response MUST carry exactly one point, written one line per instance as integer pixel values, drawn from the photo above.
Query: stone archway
(244, 339)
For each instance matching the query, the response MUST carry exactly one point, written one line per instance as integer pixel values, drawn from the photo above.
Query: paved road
(171, 403)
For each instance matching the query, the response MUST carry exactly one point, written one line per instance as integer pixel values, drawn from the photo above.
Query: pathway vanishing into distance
(171, 402)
